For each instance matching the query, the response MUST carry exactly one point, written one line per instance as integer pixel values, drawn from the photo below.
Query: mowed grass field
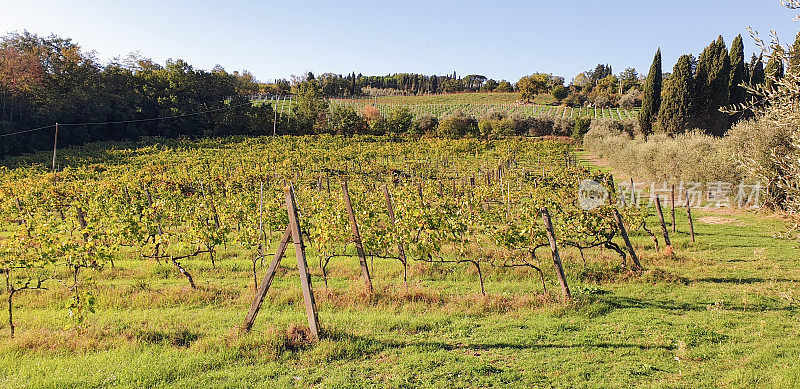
(723, 311)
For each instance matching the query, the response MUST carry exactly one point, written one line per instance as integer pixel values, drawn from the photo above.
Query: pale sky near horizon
(498, 39)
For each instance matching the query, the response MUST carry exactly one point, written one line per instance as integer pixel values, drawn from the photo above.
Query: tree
(582, 81)
(630, 79)
(504, 86)
(600, 72)
(434, 84)
(473, 81)
(608, 85)
(560, 92)
(530, 86)
(652, 94)
(309, 107)
(712, 88)
(794, 56)
(675, 114)
(489, 86)
(773, 72)
(757, 70)
(739, 75)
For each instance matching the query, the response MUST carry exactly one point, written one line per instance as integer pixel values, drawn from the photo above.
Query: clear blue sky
(499, 39)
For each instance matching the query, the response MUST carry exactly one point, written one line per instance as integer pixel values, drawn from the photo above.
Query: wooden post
(82, 222)
(672, 202)
(275, 121)
(633, 194)
(55, 146)
(400, 249)
(562, 279)
(627, 240)
(663, 223)
(356, 236)
(302, 265)
(689, 214)
(265, 284)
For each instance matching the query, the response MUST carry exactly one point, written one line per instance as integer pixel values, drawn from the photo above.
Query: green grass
(722, 312)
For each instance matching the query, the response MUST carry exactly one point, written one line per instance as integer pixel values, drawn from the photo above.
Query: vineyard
(475, 109)
(417, 250)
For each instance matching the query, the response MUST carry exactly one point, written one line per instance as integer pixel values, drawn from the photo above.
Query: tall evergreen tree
(794, 55)
(712, 88)
(652, 95)
(739, 75)
(757, 70)
(675, 114)
(353, 84)
(774, 69)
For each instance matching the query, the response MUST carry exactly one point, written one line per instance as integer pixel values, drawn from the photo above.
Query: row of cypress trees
(696, 90)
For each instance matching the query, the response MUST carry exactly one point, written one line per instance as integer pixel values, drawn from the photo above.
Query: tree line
(394, 84)
(698, 90)
(47, 80)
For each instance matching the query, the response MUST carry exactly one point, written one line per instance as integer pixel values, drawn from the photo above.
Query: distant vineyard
(283, 104)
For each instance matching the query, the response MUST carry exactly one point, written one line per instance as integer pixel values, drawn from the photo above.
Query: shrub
(345, 121)
(505, 127)
(602, 101)
(485, 129)
(457, 125)
(541, 125)
(425, 124)
(688, 157)
(379, 126)
(562, 126)
(399, 120)
(522, 124)
(755, 144)
(581, 127)
(370, 113)
(560, 92)
(494, 114)
(496, 124)
(630, 99)
(575, 99)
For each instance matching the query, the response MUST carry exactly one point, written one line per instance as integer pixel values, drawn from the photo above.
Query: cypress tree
(757, 71)
(794, 56)
(712, 88)
(774, 69)
(353, 84)
(675, 114)
(739, 75)
(652, 94)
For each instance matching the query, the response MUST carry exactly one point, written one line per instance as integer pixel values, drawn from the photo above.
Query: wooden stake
(356, 236)
(562, 279)
(55, 146)
(672, 202)
(627, 240)
(689, 215)
(633, 194)
(302, 265)
(663, 223)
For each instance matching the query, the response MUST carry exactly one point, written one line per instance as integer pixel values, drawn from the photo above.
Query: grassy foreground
(723, 312)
